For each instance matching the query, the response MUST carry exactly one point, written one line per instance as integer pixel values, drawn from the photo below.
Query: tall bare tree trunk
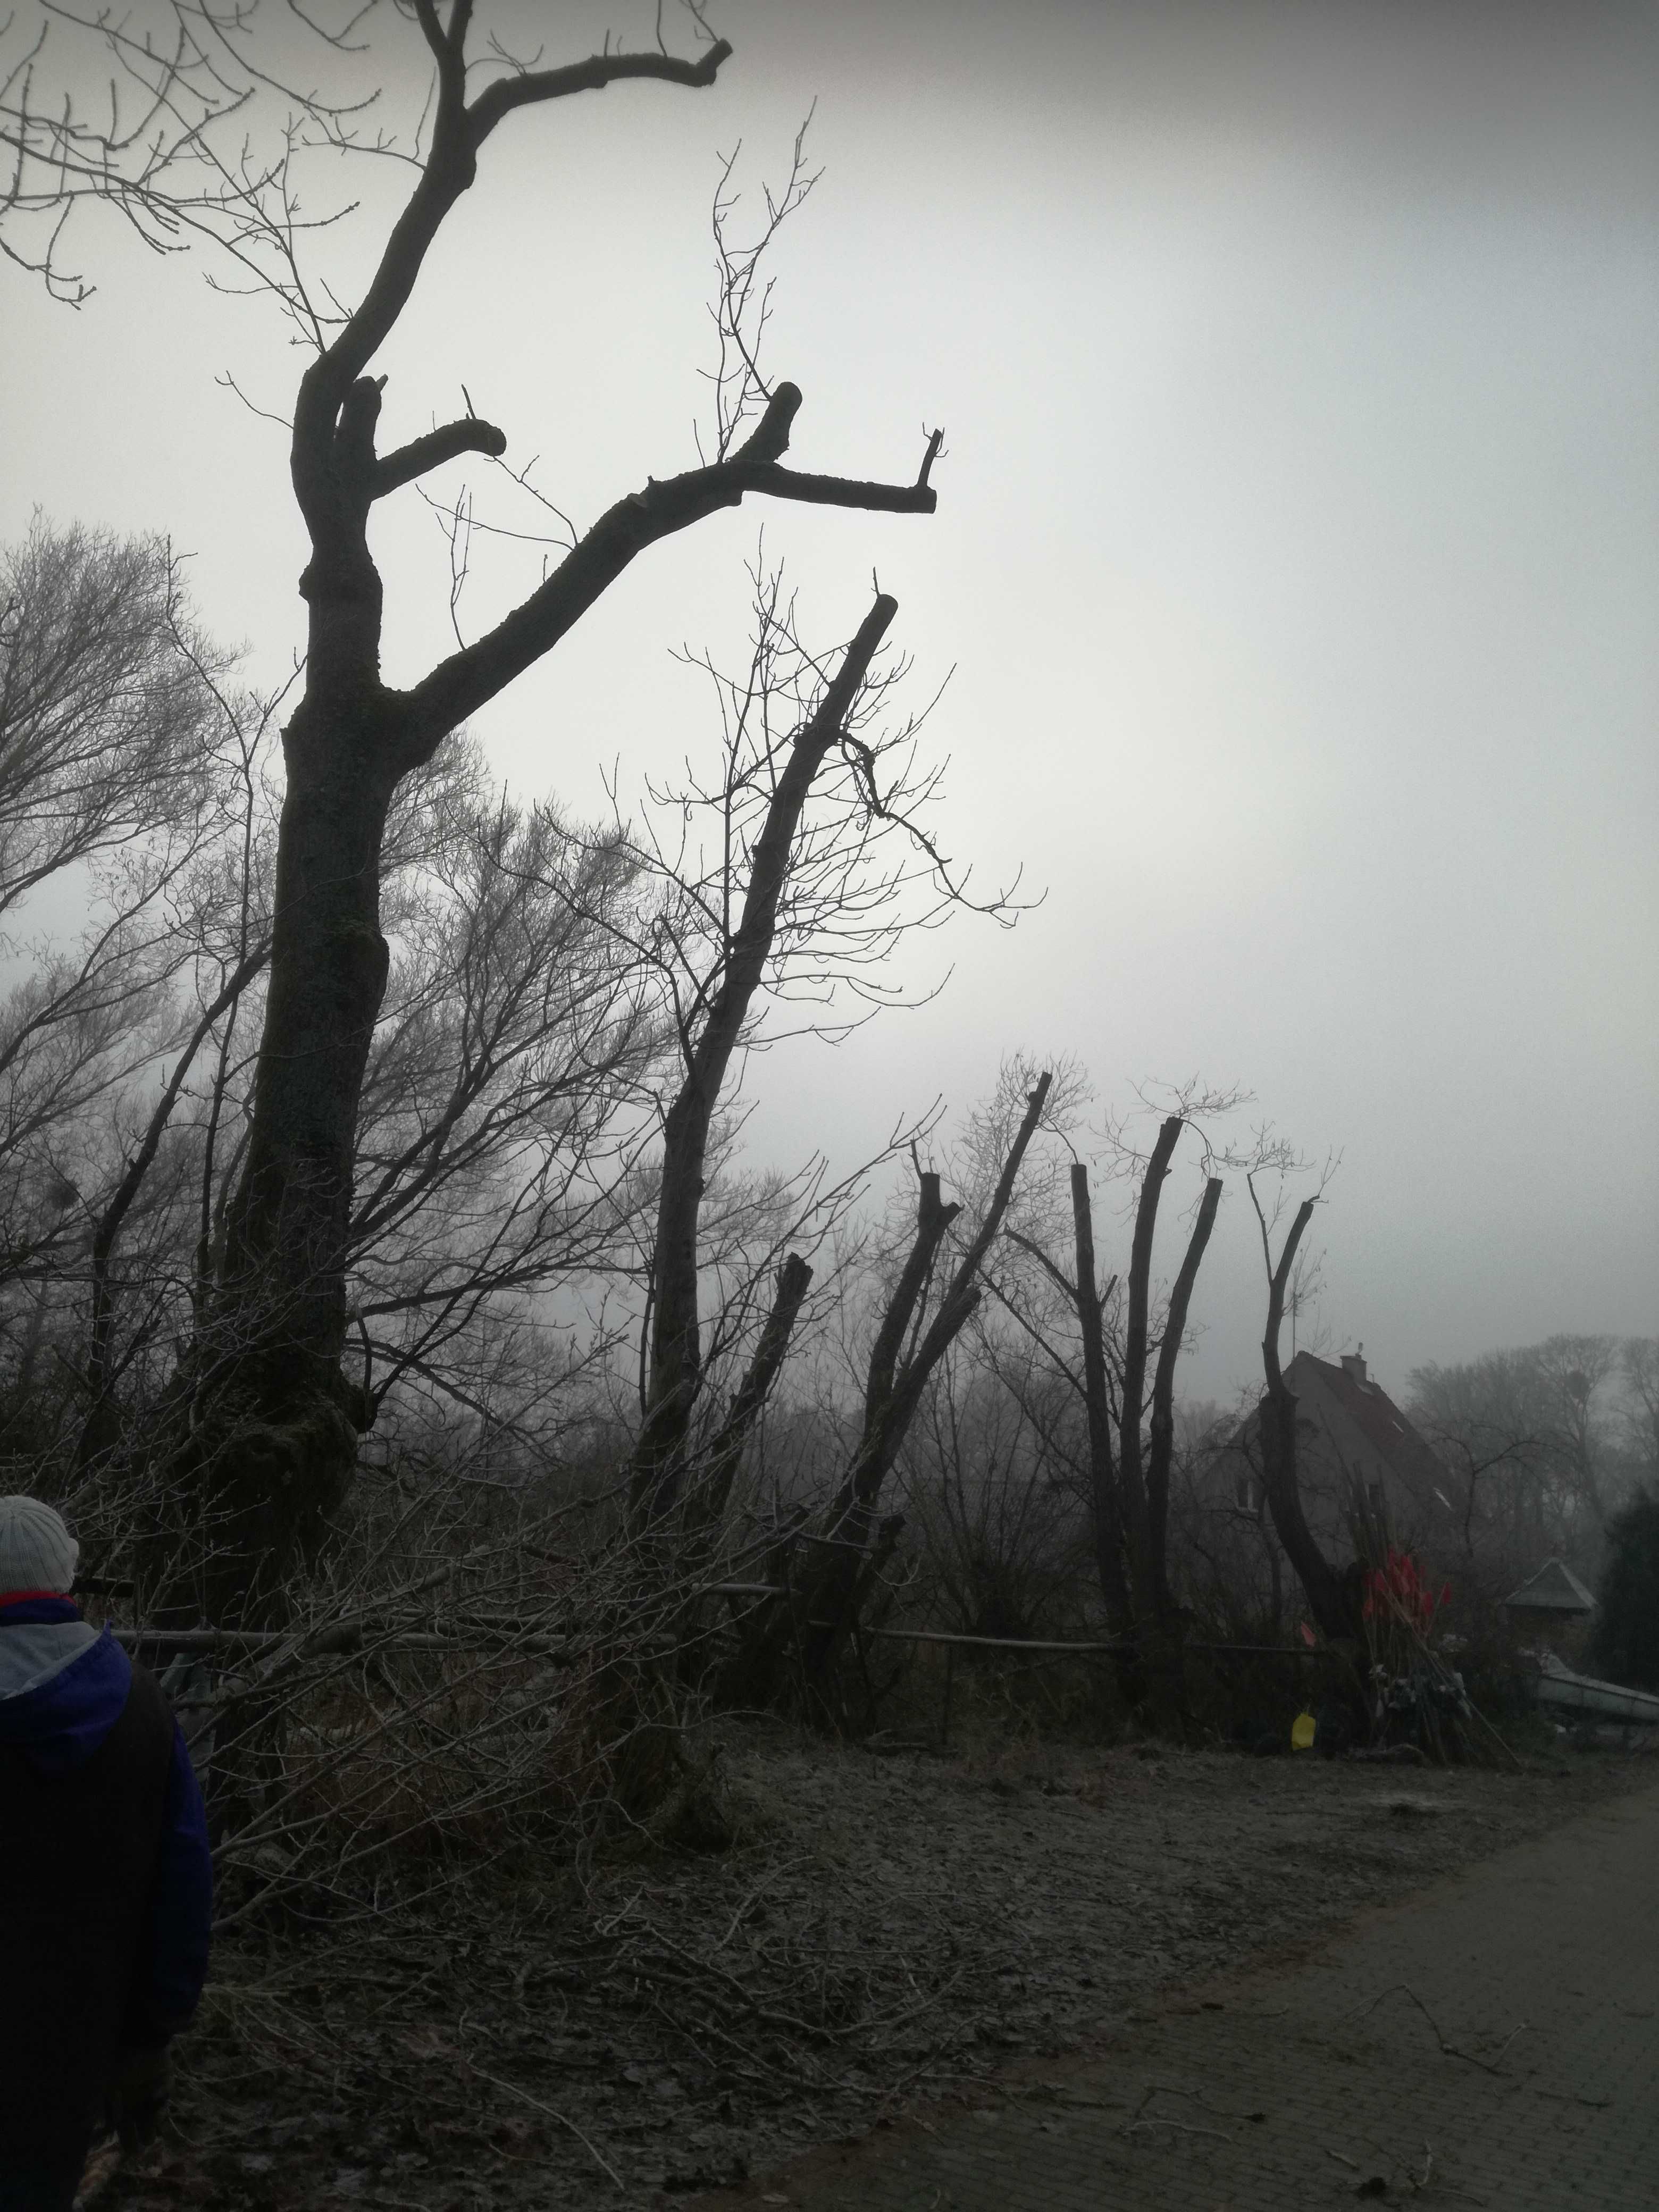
(1110, 1544)
(280, 1421)
(1326, 1598)
(1142, 1583)
(675, 1371)
(1132, 1504)
(817, 1621)
(1161, 1439)
(708, 1508)
(1166, 1661)
(265, 1422)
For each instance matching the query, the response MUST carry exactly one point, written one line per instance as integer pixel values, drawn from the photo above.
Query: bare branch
(459, 686)
(468, 436)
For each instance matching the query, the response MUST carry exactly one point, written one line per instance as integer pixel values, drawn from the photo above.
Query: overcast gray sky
(1296, 556)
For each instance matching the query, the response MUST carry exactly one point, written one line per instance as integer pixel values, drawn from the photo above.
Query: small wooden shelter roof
(1553, 1588)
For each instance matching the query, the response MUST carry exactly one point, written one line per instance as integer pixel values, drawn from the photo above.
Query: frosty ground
(889, 1927)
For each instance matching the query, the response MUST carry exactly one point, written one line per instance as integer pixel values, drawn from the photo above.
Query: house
(1357, 1455)
(1552, 1609)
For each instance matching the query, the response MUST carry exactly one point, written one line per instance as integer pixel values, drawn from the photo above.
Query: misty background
(1294, 566)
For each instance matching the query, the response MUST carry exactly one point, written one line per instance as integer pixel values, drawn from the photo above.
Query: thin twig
(536, 2105)
(1180, 2127)
(1448, 2050)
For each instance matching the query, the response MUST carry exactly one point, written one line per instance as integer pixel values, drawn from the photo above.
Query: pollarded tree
(1115, 1346)
(933, 1294)
(714, 941)
(1132, 1498)
(1331, 1600)
(787, 878)
(275, 1452)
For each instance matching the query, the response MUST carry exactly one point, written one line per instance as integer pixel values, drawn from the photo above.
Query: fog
(1294, 567)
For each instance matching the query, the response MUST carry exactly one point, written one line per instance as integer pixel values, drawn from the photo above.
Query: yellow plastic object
(1302, 1732)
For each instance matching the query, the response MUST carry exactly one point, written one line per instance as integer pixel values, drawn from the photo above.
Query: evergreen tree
(1626, 1641)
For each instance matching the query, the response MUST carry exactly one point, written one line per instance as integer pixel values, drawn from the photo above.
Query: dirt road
(1492, 2041)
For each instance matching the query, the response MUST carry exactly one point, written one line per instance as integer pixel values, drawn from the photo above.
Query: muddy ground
(889, 1926)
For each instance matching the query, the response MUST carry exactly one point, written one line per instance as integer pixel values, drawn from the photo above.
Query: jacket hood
(63, 1687)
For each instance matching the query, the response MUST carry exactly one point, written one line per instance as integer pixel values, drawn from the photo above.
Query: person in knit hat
(105, 1882)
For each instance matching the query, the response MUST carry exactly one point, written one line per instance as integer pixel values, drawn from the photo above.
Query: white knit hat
(37, 1552)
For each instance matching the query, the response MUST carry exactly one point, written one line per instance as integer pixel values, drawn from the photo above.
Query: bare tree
(505, 1104)
(112, 795)
(922, 1318)
(1161, 1441)
(816, 860)
(1639, 1371)
(1540, 1441)
(997, 1535)
(1329, 1598)
(1575, 1372)
(1105, 1494)
(1491, 1442)
(106, 701)
(711, 1017)
(1129, 1433)
(274, 1449)
(1231, 1568)
(168, 140)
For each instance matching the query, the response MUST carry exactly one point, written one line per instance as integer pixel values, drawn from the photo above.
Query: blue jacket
(62, 1687)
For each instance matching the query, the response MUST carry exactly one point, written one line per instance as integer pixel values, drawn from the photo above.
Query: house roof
(1375, 1422)
(1344, 1413)
(1553, 1588)
(1371, 1410)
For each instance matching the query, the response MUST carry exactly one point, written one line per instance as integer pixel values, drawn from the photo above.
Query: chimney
(1354, 1365)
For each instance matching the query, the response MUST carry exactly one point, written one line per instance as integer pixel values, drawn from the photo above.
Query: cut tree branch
(593, 75)
(726, 1453)
(1104, 1494)
(1161, 1443)
(414, 459)
(1320, 1580)
(469, 679)
(457, 133)
(1130, 1465)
